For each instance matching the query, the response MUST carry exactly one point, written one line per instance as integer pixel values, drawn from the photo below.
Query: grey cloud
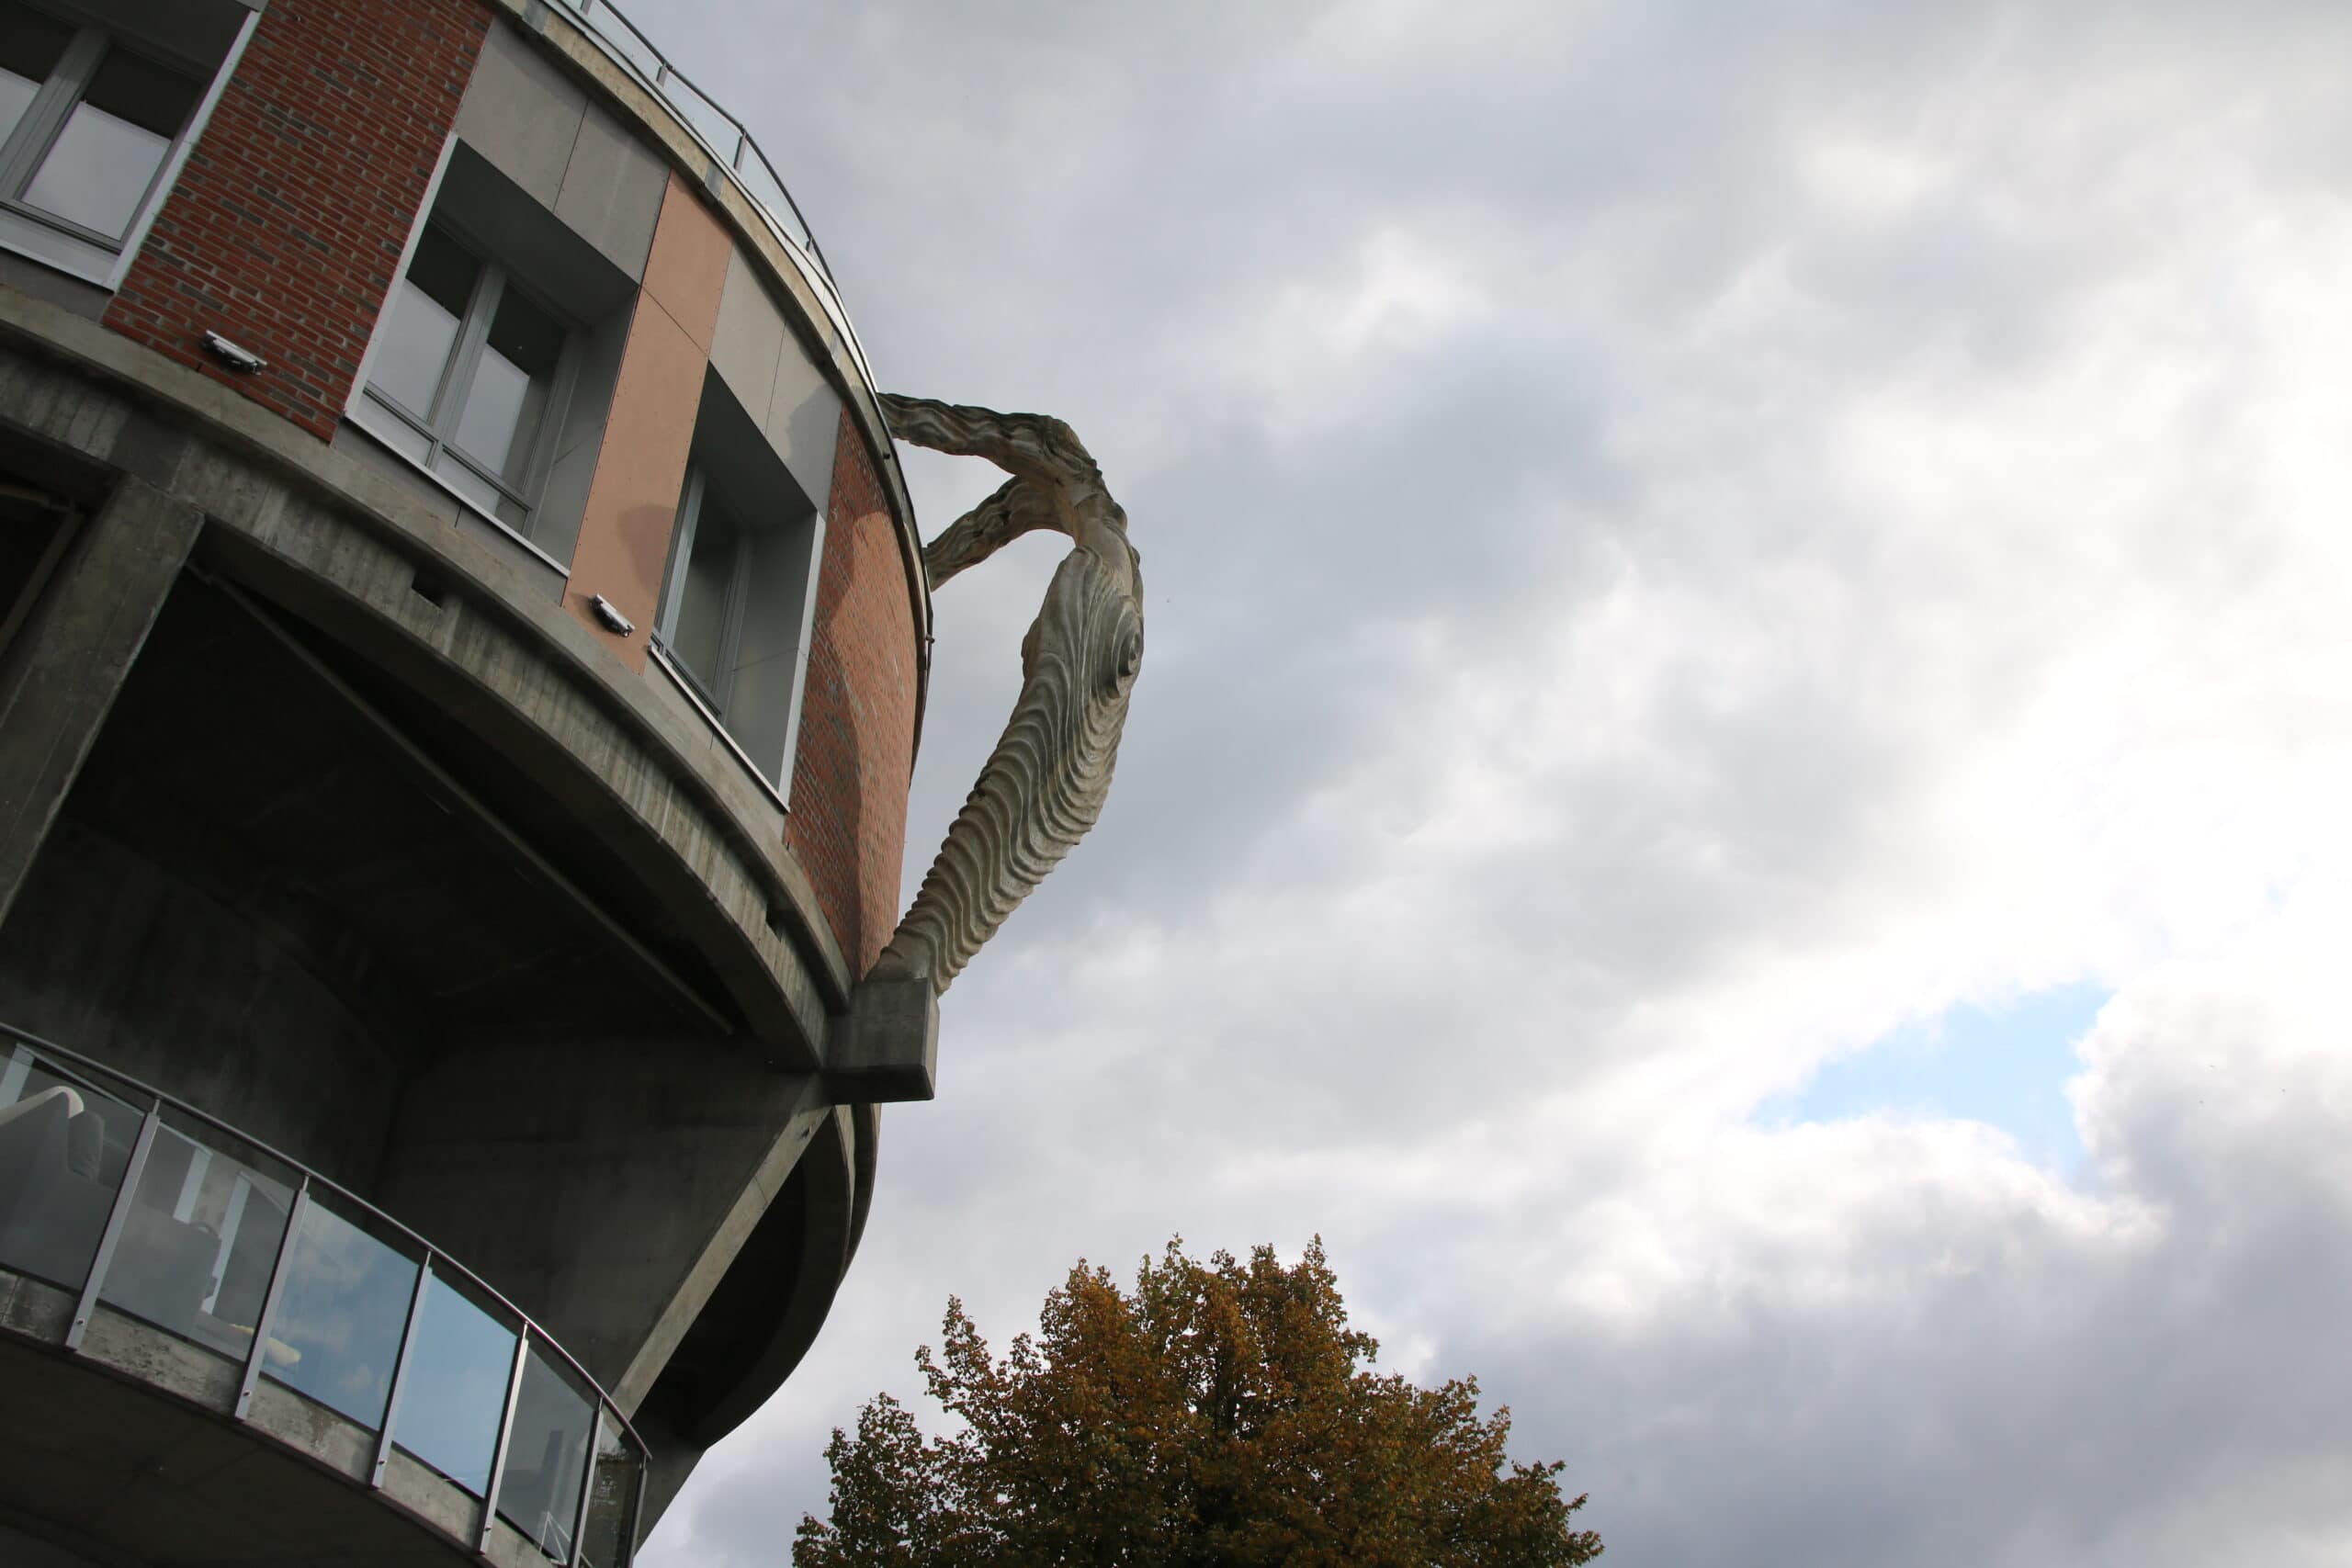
(1270, 981)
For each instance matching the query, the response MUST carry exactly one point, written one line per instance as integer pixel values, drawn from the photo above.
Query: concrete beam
(887, 1046)
(72, 655)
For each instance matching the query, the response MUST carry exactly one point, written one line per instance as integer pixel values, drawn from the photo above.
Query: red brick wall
(287, 224)
(848, 826)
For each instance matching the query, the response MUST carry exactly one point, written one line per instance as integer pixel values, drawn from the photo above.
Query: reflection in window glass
(455, 1387)
(422, 330)
(29, 46)
(700, 635)
(197, 1244)
(62, 1150)
(511, 387)
(338, 1331)
(98, 169)
(612, 1501)
(539, 1493)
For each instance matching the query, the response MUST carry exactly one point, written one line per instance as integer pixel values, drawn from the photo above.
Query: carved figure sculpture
(1045, 784)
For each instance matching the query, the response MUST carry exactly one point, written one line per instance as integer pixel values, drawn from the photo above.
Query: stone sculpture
(1045, 784)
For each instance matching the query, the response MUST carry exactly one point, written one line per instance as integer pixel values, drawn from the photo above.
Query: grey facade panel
(612, 190)
(522, 115)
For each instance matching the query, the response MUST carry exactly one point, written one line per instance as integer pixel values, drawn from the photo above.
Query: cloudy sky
(1741, 782)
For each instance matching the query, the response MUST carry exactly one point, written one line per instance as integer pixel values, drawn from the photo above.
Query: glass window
(706, 604)
(90, 118)
(198, 1242)
(539, 1493)
(455, 1389)
(471, 370)
(427, 312)
(62, 1149)
(97, 172)
(31, 47)
(508, 399)
(340, 1316)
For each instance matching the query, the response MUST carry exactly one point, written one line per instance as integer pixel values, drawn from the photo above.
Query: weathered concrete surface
(606, 1188)
(887, 1046)
(72, 656)
(765, 1315)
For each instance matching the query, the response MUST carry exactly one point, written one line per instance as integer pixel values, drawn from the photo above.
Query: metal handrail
(627, 47)
(529, 1335)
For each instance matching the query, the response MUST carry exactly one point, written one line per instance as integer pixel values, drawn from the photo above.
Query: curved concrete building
(462, 650)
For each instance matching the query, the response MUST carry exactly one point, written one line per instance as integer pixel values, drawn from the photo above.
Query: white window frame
(715, 693)
(437, 424)
(58, 241)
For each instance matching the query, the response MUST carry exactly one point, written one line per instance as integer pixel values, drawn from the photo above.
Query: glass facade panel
(539, 1493)
(98, 172)
(768, 191)
(510, 388)
(340, 1316)
(62, 1150)
(423, 330)
(717, 127)
(198, 1242)
(30, 45)
(455, 1387)
(612, 1500)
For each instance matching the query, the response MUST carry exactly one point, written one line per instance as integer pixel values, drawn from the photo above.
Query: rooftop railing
(732, 148)
(126, 1197)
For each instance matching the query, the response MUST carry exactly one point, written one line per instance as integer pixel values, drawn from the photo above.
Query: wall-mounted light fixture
(235, 357)
(609, 614)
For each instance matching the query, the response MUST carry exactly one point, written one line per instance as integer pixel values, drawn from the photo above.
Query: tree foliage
(1223, 1413)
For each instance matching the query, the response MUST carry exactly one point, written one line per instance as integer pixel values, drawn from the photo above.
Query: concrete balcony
(215, 1355)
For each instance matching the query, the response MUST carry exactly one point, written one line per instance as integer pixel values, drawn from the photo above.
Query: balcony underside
(126, 1452)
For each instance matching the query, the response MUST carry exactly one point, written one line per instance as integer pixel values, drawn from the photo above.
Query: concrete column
(70, 658)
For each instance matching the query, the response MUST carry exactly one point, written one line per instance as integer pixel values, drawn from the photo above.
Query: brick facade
(848, 826)
(286, 227)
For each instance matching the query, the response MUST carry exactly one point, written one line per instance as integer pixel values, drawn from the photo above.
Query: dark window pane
(423, 329)
(455, 1387)
(539, 1494)
(62, 1149)
(98, 169)
(339, 1318)
(198, 1242)
(511, 387)
(29, 46)
(155, 98)
(700, 636)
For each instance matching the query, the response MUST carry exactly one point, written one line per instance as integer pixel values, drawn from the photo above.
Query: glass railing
(119, 1194)
(729, 144)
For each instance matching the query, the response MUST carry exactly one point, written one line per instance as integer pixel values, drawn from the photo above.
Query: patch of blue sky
(2005, 1066)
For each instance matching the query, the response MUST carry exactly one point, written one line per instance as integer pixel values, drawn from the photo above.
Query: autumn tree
(1223, 1413)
